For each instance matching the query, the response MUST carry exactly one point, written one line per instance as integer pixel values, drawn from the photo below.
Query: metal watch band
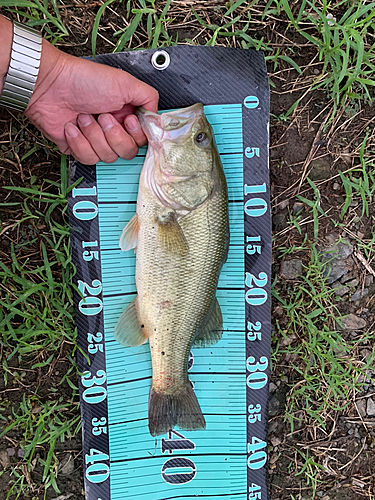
(23, 70)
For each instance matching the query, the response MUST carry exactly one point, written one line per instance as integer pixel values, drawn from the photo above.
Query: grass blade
(63, 176)
(289, 13)
(234, 7)
(156, 34)
(94, 34)
(129, 32)
(17, 3)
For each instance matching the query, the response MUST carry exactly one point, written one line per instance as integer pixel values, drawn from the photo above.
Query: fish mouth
(173, 125)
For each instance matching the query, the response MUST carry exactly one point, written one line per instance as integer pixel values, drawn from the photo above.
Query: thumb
(139, 93)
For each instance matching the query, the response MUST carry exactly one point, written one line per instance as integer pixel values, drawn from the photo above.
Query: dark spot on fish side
(162, 353)
(154, 329)
(142, 326)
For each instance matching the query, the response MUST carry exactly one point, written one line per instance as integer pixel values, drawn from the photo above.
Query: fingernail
(132, 124)
(106, 121)
(71, 130)
(85, 120)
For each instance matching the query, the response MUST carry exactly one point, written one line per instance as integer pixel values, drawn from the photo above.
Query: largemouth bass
(181, 235)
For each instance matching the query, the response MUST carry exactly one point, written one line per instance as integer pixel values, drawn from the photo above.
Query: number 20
(261, 281)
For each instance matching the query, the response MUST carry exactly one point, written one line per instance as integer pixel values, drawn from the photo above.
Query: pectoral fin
(129, 332)
(170, 234)
(129, 237)
(212, 331)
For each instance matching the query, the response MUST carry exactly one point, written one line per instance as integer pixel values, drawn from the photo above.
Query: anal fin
(212, 331)
(129, 331)
(129, 237)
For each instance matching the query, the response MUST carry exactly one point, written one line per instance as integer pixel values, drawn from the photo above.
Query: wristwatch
(23, 70)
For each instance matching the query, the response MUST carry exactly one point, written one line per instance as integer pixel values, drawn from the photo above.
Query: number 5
(253, 496)
(251, 152)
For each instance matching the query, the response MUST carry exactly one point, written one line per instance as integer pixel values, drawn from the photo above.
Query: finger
(95, 135)
(141, 94)
(119, 140)
(151, 103)
(80, 147)
(133, 127)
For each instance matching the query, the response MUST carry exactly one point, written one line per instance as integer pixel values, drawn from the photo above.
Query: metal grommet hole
(160, 60)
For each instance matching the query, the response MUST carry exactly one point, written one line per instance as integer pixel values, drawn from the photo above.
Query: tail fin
(165, 411)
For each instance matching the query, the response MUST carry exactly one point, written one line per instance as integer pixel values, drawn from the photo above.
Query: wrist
(6, 37)
(20, 79)
(52, 63)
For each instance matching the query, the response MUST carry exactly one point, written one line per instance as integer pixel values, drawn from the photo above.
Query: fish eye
(202, 139)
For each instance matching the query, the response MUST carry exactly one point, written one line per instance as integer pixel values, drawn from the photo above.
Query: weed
(294, 248)
(314, 205)
(348, 58)
(294, 220)
(321, 359)
(36, 320)
(38, 15)
(284, 117)
(155, 25)
(43, 424)
(360, 181)
(310, 470)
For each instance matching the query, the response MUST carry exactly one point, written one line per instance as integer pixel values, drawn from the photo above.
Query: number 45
(254, 492)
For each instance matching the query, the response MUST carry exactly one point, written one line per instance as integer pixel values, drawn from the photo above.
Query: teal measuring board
(228, 459)
(217, 463)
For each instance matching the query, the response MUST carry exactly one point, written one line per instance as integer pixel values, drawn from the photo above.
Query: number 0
(97, 473)
(178, 476)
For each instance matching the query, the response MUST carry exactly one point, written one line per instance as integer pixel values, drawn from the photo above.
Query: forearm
(6, 36)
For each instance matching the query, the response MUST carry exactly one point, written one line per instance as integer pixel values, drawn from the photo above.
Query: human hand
(70, 91)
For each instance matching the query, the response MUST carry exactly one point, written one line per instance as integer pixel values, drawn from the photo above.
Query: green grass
(344, 44)
(323, 359)
(314, 205)
(360, 181)
(325, 373)
(43, 15)
(43, 424)
(37, 326)
(342, 35)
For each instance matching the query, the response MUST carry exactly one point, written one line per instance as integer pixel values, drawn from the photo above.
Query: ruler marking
(190, 454)
(216, 390)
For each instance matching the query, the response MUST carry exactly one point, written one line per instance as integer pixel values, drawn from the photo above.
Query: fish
(180, 233)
